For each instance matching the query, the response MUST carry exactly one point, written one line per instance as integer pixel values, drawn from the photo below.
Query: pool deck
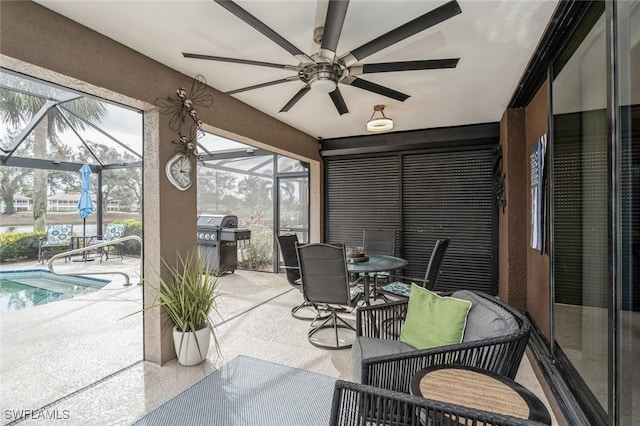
(82, 359)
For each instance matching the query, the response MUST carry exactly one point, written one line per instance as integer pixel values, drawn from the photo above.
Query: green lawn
(26, 218)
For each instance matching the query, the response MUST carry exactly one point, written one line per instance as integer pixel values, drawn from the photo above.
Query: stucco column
(316, 202)
(513, 218)
(169, 230)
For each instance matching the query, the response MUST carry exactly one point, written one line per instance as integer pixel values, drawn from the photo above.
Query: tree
(257, 193)
(213, 187)
(11, 179)
(14, 180)
(19, 107)
(124, 185)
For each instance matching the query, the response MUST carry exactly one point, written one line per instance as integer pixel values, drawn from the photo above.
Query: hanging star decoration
(183, 110)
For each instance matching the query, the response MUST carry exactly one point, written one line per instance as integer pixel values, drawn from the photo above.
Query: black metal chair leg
(331, 322)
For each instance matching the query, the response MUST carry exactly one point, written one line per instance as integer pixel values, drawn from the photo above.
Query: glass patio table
(375, 263)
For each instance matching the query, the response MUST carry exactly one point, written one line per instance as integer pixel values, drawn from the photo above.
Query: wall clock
(178, 170)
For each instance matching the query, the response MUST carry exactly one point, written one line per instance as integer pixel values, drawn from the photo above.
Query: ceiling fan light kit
(381, 123)
(323, 85)
(322, 77)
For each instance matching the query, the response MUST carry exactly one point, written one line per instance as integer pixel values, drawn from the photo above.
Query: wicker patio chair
(381, 360)
(356, 404)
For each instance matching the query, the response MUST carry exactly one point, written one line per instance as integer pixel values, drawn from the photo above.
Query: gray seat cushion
(368, 347)
(485, 319)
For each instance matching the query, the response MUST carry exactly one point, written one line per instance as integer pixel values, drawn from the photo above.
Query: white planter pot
(188, 354)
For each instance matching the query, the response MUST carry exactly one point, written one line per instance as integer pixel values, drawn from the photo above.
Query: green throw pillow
(433, 320)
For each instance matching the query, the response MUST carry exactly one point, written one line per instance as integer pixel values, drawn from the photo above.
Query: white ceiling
(493, 38)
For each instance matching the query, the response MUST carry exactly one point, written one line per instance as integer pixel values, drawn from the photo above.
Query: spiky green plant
(189, 295)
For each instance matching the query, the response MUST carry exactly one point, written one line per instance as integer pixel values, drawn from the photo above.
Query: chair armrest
(356, 404)
(381, 321)
(422, 282)
(407, 279)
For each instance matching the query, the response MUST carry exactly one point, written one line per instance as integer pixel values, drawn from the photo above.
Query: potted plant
(189, 296)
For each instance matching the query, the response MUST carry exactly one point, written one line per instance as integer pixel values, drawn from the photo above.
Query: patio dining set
(419, 356)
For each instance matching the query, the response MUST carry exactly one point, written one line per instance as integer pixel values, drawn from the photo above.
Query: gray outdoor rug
(249, 391)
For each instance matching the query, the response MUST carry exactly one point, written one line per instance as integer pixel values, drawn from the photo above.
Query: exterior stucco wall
(523, 271)
(41, 43)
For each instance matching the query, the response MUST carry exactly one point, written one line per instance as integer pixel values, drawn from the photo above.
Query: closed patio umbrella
(85, 205)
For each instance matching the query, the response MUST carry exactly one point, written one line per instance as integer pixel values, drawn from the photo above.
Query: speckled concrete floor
(80, 360)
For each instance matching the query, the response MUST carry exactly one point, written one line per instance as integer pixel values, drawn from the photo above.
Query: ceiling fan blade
(264, 29)
(258, 86)
(338, 101)
(336, 13)
(421, 23)
(295, 98)
(239, 61)
(430, 64)
(375, 88)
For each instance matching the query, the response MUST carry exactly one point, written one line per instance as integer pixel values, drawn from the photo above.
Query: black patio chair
(402, 288)
(287, 244)
(379, 242)
(325, 283)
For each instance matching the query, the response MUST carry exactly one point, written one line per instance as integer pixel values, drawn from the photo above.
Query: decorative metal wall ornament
(186, 145)
(183, 109)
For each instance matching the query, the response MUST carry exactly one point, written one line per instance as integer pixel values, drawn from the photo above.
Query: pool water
(32, 287)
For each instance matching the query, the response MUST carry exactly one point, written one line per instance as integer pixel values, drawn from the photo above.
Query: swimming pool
(23, 289)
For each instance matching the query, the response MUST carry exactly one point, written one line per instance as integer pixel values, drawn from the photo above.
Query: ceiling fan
(323, 70)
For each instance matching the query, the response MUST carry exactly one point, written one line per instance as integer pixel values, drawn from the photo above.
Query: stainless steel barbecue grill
(218, 237)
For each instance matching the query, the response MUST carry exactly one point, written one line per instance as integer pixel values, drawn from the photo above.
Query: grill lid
(217, 221)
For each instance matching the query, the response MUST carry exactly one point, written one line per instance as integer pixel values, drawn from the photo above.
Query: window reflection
(628, 58)
(580, 213)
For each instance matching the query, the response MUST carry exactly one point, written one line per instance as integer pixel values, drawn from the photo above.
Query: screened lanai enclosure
(49, 132)
(268, 192)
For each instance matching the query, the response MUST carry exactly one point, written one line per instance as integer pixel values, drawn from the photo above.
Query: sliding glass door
(580, 255)
(595, 183)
